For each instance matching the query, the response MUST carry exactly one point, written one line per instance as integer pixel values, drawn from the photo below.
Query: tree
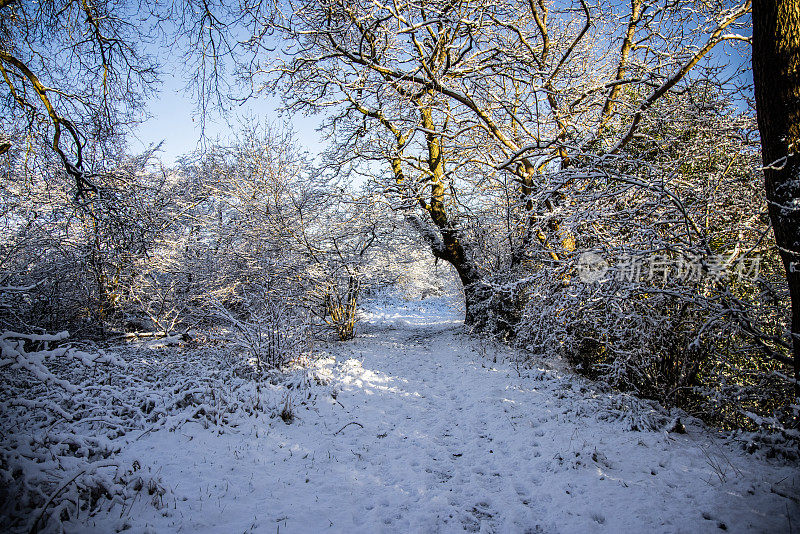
(270, 228)
(776, 73)
(73, 74)
(499, 88)
(74, 258)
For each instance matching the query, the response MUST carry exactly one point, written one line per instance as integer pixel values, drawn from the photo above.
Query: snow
(415, 426)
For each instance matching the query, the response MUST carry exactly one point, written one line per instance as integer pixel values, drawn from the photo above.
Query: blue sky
(175, 121)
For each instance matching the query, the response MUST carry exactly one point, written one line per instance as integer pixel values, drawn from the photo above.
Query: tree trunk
(475, 288)
(446, 245)
(776, 73)
(450, 248)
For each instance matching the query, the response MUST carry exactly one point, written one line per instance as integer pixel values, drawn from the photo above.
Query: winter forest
(541, 273)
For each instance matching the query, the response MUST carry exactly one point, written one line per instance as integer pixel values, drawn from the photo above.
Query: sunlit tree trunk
(452, 249)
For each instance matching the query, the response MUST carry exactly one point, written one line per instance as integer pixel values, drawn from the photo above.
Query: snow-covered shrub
(69, 264)
(337, 303)
(691, 347)
(689, 303)
(268, 218)
(50, 466)
(266, 326)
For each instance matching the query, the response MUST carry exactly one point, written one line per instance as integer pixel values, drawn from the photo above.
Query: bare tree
(279, 226)
(479, 88)
(72, 72)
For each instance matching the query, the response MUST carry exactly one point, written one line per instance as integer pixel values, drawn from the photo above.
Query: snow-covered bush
(687, 303)
(50, 466)
(335, 303)
(69, 264)
(67, 412)
(670, 344)
(266, 326)
(712, 343)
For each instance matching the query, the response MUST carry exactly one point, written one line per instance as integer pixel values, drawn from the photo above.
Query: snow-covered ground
(416, 427)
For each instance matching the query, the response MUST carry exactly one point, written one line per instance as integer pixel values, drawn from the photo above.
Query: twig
(348, 424)
(143, 434)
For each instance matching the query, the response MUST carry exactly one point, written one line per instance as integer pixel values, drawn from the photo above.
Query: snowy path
(449, 441)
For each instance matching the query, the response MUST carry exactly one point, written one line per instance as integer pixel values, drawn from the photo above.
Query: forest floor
(415, 426)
